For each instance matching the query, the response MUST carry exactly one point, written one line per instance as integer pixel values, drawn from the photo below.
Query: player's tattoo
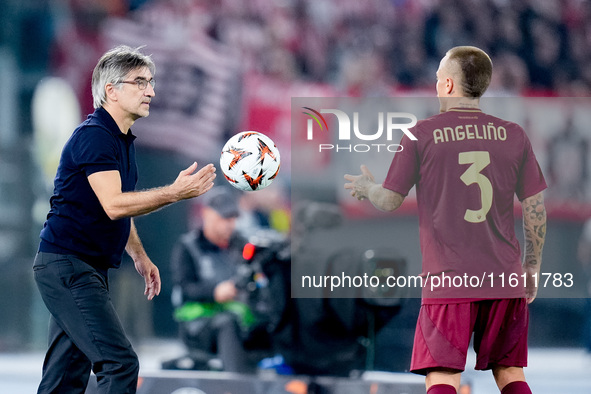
(534, 225)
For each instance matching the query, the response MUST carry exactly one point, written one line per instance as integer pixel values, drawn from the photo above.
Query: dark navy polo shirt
(77, 223)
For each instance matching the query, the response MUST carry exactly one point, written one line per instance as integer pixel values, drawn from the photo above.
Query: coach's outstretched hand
(192, 183)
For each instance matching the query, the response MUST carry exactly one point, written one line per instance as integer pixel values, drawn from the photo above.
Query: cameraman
(205, 265)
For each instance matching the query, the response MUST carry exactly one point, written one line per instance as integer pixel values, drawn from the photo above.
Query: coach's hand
(151, 275)
(192, 183)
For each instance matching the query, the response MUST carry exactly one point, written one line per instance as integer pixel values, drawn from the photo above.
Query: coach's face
(137, 93)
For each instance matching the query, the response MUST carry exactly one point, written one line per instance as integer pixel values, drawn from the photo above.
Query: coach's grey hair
(114, 66)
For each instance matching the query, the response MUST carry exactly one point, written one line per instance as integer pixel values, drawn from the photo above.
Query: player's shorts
(443, 333)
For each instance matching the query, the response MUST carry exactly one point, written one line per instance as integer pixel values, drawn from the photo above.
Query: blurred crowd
(367, 47)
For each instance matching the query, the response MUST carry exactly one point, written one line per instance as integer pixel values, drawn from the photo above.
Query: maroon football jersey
(467, 167)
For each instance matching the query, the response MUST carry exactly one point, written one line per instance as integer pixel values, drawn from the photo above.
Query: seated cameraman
(205, 262)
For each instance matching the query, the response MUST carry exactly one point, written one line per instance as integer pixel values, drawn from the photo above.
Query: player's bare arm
(117, 204)
(143, 264)
(364, 186)
(534, 227)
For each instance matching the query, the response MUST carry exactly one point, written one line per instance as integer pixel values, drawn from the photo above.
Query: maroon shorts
(443, 334)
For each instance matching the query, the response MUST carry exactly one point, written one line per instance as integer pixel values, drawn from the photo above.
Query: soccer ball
(250, 161)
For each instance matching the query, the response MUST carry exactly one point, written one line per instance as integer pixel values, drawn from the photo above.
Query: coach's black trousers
(84, 330)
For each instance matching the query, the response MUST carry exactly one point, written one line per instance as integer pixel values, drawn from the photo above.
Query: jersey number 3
(478, 160)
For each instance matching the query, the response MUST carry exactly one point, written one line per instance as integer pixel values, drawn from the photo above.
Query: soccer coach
(90, 224)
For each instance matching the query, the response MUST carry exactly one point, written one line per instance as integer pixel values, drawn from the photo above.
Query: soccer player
(467, 166)
(89, 226)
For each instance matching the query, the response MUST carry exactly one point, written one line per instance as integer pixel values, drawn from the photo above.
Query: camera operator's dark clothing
(198, 266)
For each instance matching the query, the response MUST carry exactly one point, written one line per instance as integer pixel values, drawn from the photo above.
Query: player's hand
(151, 275)
(360, 184)
(192, 183)
(531, 288)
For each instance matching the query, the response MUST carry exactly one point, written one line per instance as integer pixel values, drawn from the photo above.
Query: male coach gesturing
(90, 224)
(467, 167)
